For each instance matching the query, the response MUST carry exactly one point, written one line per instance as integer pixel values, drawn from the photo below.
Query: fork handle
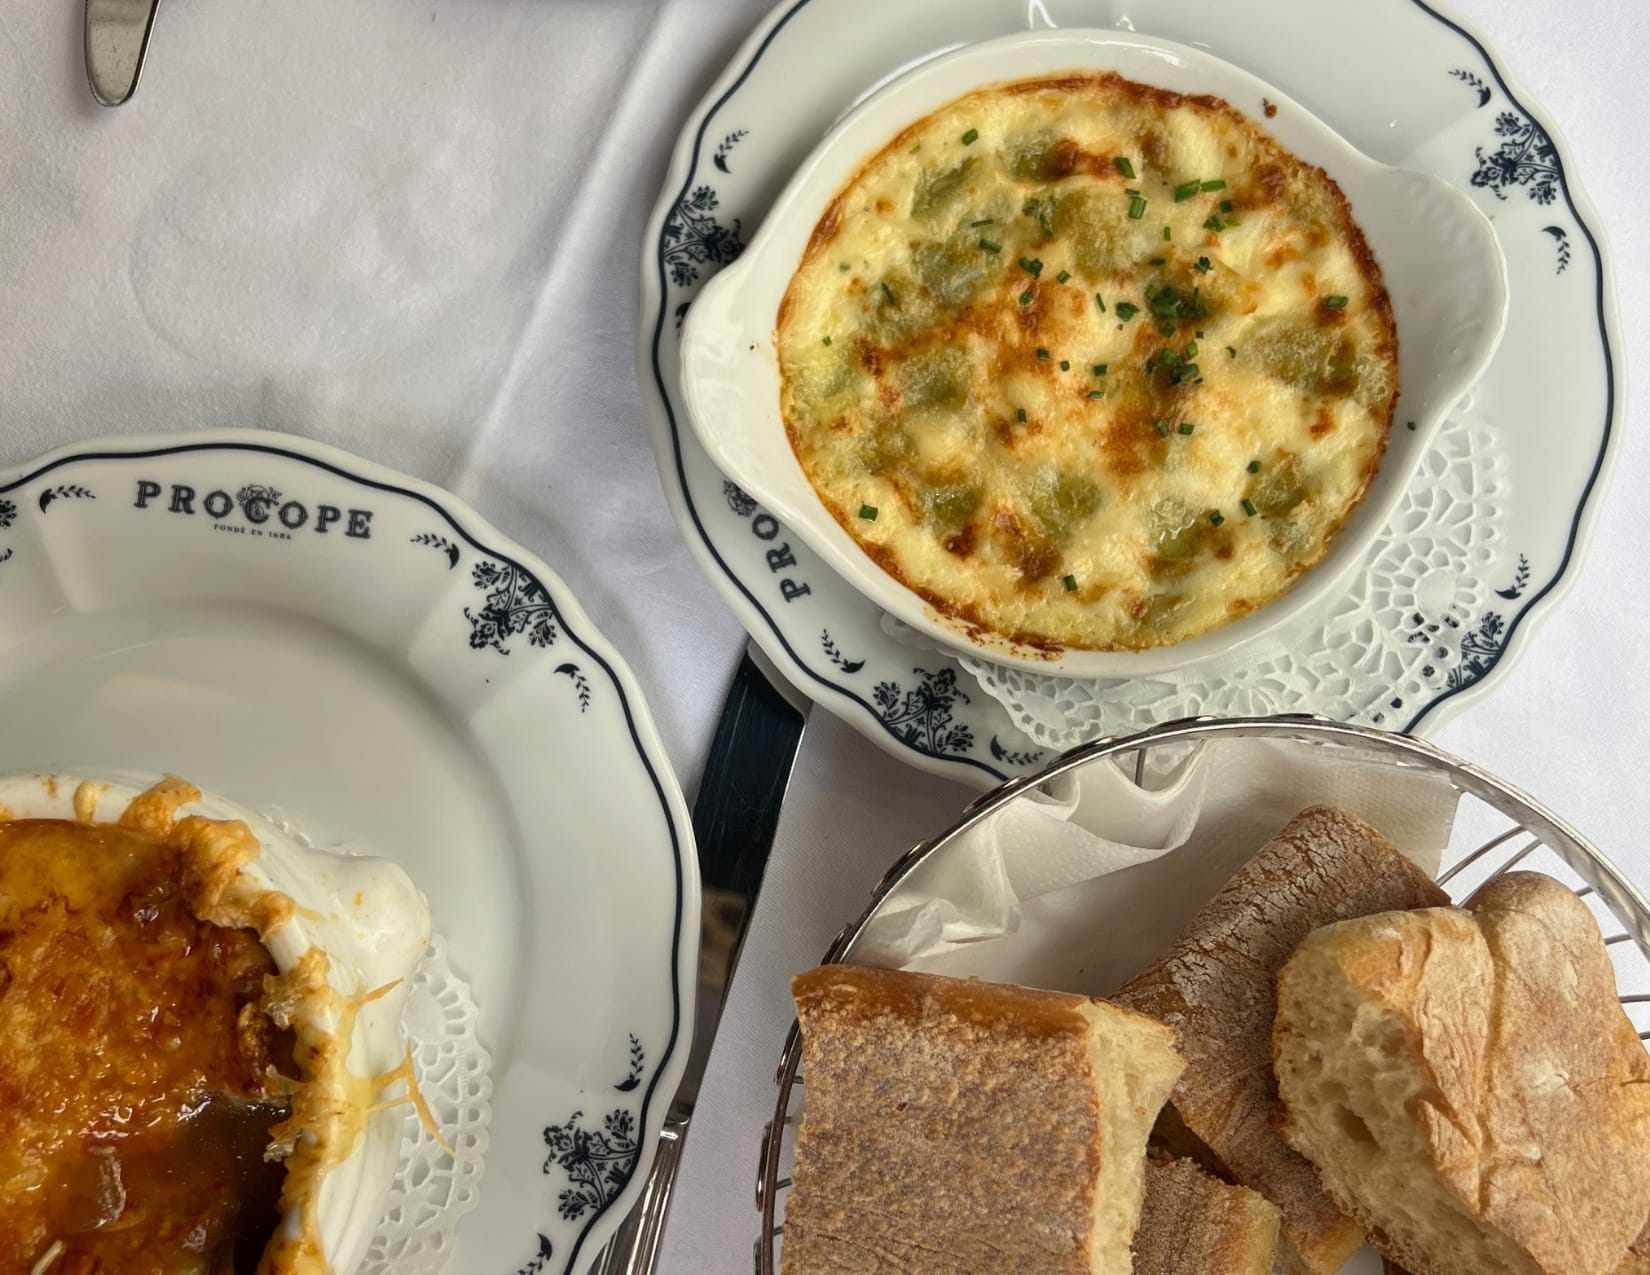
(634, 1248)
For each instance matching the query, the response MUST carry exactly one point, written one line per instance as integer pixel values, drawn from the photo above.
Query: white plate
(1437, 252)
(315, 637)
(1398, 80)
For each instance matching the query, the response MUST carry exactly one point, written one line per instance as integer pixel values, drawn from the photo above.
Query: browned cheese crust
(1193, 1225)
(1215, 987)
(141, 1072)
(954, 1127)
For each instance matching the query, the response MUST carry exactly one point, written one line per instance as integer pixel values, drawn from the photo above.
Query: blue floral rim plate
(358, 656)
(1409, 86)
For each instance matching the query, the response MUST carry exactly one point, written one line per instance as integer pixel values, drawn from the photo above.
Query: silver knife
(117, 38)
(734, 820)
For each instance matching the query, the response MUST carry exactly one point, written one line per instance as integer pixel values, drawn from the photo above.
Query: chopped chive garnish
(1335, 303)
(1064, 276)
(1162, 427)
(1065, 365)
(1199, 334)
(1126, 310)
(1254, 467)
(1203, 265)
(970, 137)
(1214, 222)
(1166, 328)
(1020, 414)
(983, 221)
(1042, 353)
(1125, 166)
(1027, 296)
(1097, 393)
(1032, 266)
(1185, 372)
(1411, 425)
(1100, 301)
(1154, 261)
(1185, 192)
(1248, 506)
(1216, 184)
(1231, 351)
(868, 512)
(989, 246)
(827, 340)
(1167, 234)
(1226, 205)
(1100, 369)
(1216, 517)
(1186, 427)
(1137, 208)
(1151, 291)
(1070, 582)
(889, 293)
(1191, 349)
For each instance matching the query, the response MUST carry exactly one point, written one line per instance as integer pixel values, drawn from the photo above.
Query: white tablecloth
(412, 230)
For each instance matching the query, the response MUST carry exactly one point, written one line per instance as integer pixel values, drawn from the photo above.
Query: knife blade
(117, 38)
(735, 817)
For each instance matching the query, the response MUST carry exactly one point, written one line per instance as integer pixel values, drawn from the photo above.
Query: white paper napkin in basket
(1079, 887)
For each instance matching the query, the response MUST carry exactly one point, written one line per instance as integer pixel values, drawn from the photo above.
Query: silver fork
(117, 37)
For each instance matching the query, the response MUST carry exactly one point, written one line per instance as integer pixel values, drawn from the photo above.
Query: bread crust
(1534, 1089)
(1215, 988)
(1193, 1225)
(959, 1127)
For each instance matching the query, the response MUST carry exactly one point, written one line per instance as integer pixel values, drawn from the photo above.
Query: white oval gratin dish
(1443, 269)
(374, 926)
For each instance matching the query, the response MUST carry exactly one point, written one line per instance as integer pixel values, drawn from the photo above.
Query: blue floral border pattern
(9, 511)
(921, 715)
(1525, 157)
(514, 604)
(594, 1163)
(1464, 649)
(540, 1259)
(68, 491)
(1012, 757)
(694, 237)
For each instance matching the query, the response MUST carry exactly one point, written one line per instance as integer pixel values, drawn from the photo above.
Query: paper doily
(433, 1190)
(1418, 618)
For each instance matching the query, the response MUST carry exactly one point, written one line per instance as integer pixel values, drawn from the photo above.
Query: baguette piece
(954, 1127)
(1468, 1085)
(1215, 988)
(1194, 1225)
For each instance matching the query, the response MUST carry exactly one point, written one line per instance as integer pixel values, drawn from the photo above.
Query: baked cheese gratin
(166, 1096)
(1087, 363)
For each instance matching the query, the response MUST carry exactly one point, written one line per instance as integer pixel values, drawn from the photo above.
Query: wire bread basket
(1497, 828)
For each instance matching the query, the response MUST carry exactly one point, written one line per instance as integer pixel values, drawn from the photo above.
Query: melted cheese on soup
(1089, 364)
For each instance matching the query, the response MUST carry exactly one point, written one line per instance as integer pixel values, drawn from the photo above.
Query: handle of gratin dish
(1450, 285)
